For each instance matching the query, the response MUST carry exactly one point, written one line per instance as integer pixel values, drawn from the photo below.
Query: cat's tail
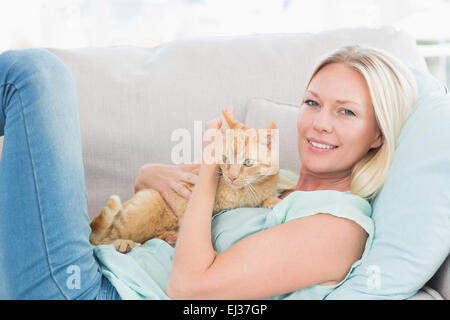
(104, 219)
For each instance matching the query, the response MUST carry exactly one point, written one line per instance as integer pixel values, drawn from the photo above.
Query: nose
(322, 121)
(232, 178)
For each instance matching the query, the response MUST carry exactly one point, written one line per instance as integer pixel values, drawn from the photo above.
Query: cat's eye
(249, 162)
(224, 159)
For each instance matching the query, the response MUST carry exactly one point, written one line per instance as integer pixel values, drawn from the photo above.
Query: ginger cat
(146, 215)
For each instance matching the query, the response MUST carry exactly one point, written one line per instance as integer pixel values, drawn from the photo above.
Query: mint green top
(144, 271)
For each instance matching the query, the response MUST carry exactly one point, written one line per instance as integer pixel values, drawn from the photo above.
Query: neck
(309, 181)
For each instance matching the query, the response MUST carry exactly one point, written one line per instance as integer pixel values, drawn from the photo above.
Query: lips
(321, 143)
(320, 147)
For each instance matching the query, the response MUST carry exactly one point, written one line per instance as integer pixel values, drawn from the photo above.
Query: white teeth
(322, 146)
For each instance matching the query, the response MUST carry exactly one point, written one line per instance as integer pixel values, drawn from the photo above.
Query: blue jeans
(45, 251)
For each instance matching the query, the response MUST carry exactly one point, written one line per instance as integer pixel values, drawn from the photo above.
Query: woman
(356, 101)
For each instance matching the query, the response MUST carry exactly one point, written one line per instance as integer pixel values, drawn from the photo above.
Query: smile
(320, 147)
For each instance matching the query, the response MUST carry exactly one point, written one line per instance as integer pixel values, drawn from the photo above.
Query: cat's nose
(232, 178)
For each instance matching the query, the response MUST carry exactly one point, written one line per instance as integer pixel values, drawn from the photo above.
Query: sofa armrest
(426, 293)
(441, 280)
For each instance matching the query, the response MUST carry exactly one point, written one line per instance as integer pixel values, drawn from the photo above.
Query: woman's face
(336, 123)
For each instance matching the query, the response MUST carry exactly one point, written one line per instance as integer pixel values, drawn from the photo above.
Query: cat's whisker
(252, 193)
(247, 188)
(255, 193)
(252, 190)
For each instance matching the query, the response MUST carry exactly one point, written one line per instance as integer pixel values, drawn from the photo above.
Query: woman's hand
(213, 139)
(167, 180)
(194, 252)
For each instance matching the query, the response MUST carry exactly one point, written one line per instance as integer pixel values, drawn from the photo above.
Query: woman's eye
(311, 103)
(248, 162)
(348, 112)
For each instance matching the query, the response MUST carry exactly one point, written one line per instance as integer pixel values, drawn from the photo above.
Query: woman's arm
(167, 180)
(312, 250)
(194, 252)
(294, 255)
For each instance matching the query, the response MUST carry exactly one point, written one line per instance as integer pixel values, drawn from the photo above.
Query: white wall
(80, 23)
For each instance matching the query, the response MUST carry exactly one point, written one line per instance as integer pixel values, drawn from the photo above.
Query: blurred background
(98, 23)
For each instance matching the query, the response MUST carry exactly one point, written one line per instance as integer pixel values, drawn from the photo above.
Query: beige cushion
(260, 111)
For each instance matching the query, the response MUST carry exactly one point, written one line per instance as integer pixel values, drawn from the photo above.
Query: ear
(233, 124)
(378, 142)
(269, 127)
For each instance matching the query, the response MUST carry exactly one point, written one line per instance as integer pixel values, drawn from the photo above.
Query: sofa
(131, 99)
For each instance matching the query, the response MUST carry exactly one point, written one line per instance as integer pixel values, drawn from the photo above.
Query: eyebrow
(338, 101)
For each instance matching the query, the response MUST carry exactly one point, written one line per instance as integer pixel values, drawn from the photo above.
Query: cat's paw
(170, 237)
(270, 202)
(172, 240)
(125, 246)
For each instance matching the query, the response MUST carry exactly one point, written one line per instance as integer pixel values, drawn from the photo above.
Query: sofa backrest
(131, 99)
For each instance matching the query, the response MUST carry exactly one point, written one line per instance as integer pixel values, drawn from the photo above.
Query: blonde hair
(393, 92)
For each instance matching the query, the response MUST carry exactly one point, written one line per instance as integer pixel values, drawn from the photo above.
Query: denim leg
(44, 225)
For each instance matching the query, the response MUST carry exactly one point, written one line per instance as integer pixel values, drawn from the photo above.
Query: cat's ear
(233, 124)
(271, 126)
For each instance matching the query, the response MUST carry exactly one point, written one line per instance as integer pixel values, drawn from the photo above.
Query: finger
(168, 197)
(214, 124)
(230, 111)
(223, 126)
(217, 124)
(189, 177)
(178, 188)
(190, 166)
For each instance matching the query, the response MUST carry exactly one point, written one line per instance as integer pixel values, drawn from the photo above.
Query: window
(88, 23)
